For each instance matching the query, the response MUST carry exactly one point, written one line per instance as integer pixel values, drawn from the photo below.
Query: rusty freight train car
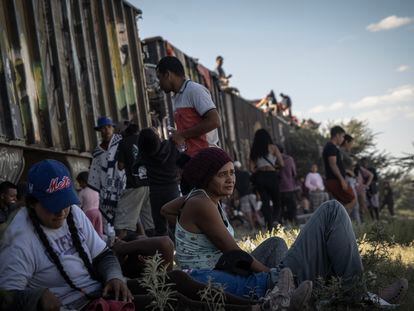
(63, 63)
(240, 119)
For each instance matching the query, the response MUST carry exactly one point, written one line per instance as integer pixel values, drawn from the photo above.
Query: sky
(336, 59)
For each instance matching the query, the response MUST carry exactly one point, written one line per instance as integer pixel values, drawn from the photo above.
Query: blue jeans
(254, 285)
(325, 247)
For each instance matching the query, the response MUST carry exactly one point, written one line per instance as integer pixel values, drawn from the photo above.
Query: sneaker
(301, 296)
(395, 292)
(285, 281)
(279, 297)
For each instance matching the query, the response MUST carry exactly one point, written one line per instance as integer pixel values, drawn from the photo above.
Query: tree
(406, 162)
(305, 146)
(364, 145)
(397, 170)
(364, 138)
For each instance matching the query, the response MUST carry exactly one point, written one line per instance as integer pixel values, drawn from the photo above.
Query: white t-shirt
(314, 182)
(190, 104)
(25, 264)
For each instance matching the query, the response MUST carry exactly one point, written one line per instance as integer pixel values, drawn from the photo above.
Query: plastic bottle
(110, 233)
(180, 147)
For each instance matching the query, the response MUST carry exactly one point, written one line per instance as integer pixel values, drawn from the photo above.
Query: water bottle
(180, 147)
(170, 129)
(110, 233)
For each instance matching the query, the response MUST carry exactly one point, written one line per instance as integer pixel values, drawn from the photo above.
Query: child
(89, 200)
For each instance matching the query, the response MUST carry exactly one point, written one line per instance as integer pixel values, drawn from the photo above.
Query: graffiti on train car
(59, 55)
(11, 164)
(65, 63)
(62, 65)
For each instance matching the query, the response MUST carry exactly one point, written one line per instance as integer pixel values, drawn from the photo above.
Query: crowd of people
(271, 105)
(62, 249)
(279, 194)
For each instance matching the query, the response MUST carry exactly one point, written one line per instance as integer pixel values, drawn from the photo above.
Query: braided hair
(78, 245)
(30, 201)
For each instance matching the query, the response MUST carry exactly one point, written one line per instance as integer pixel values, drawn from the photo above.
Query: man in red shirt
(195, 114)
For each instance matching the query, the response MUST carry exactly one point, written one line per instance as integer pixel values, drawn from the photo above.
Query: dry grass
(155, 280)
(213, 296)
(387, 250)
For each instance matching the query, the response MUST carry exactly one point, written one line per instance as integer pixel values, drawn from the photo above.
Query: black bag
(236, 262)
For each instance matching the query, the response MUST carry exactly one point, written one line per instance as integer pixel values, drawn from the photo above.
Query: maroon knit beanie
(204, 165)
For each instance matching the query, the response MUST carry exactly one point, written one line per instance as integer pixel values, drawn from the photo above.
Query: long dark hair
(30, 202)
(260, 146)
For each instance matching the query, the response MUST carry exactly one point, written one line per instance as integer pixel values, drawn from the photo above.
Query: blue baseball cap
(103, 121)
(49, 182)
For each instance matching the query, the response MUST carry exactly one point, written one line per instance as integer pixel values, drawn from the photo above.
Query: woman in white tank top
(203, 232)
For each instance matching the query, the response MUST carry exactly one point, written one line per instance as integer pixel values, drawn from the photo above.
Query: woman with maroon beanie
(203, 231)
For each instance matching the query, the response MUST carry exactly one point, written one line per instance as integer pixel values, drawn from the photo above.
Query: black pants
(267, 184)
(288, 203)
(160, 195)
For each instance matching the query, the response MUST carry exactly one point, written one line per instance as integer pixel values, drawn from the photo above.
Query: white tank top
(269, 160)
(195, 250)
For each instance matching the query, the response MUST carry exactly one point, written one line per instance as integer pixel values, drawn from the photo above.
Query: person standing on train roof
(195, 114)
(104, 175)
